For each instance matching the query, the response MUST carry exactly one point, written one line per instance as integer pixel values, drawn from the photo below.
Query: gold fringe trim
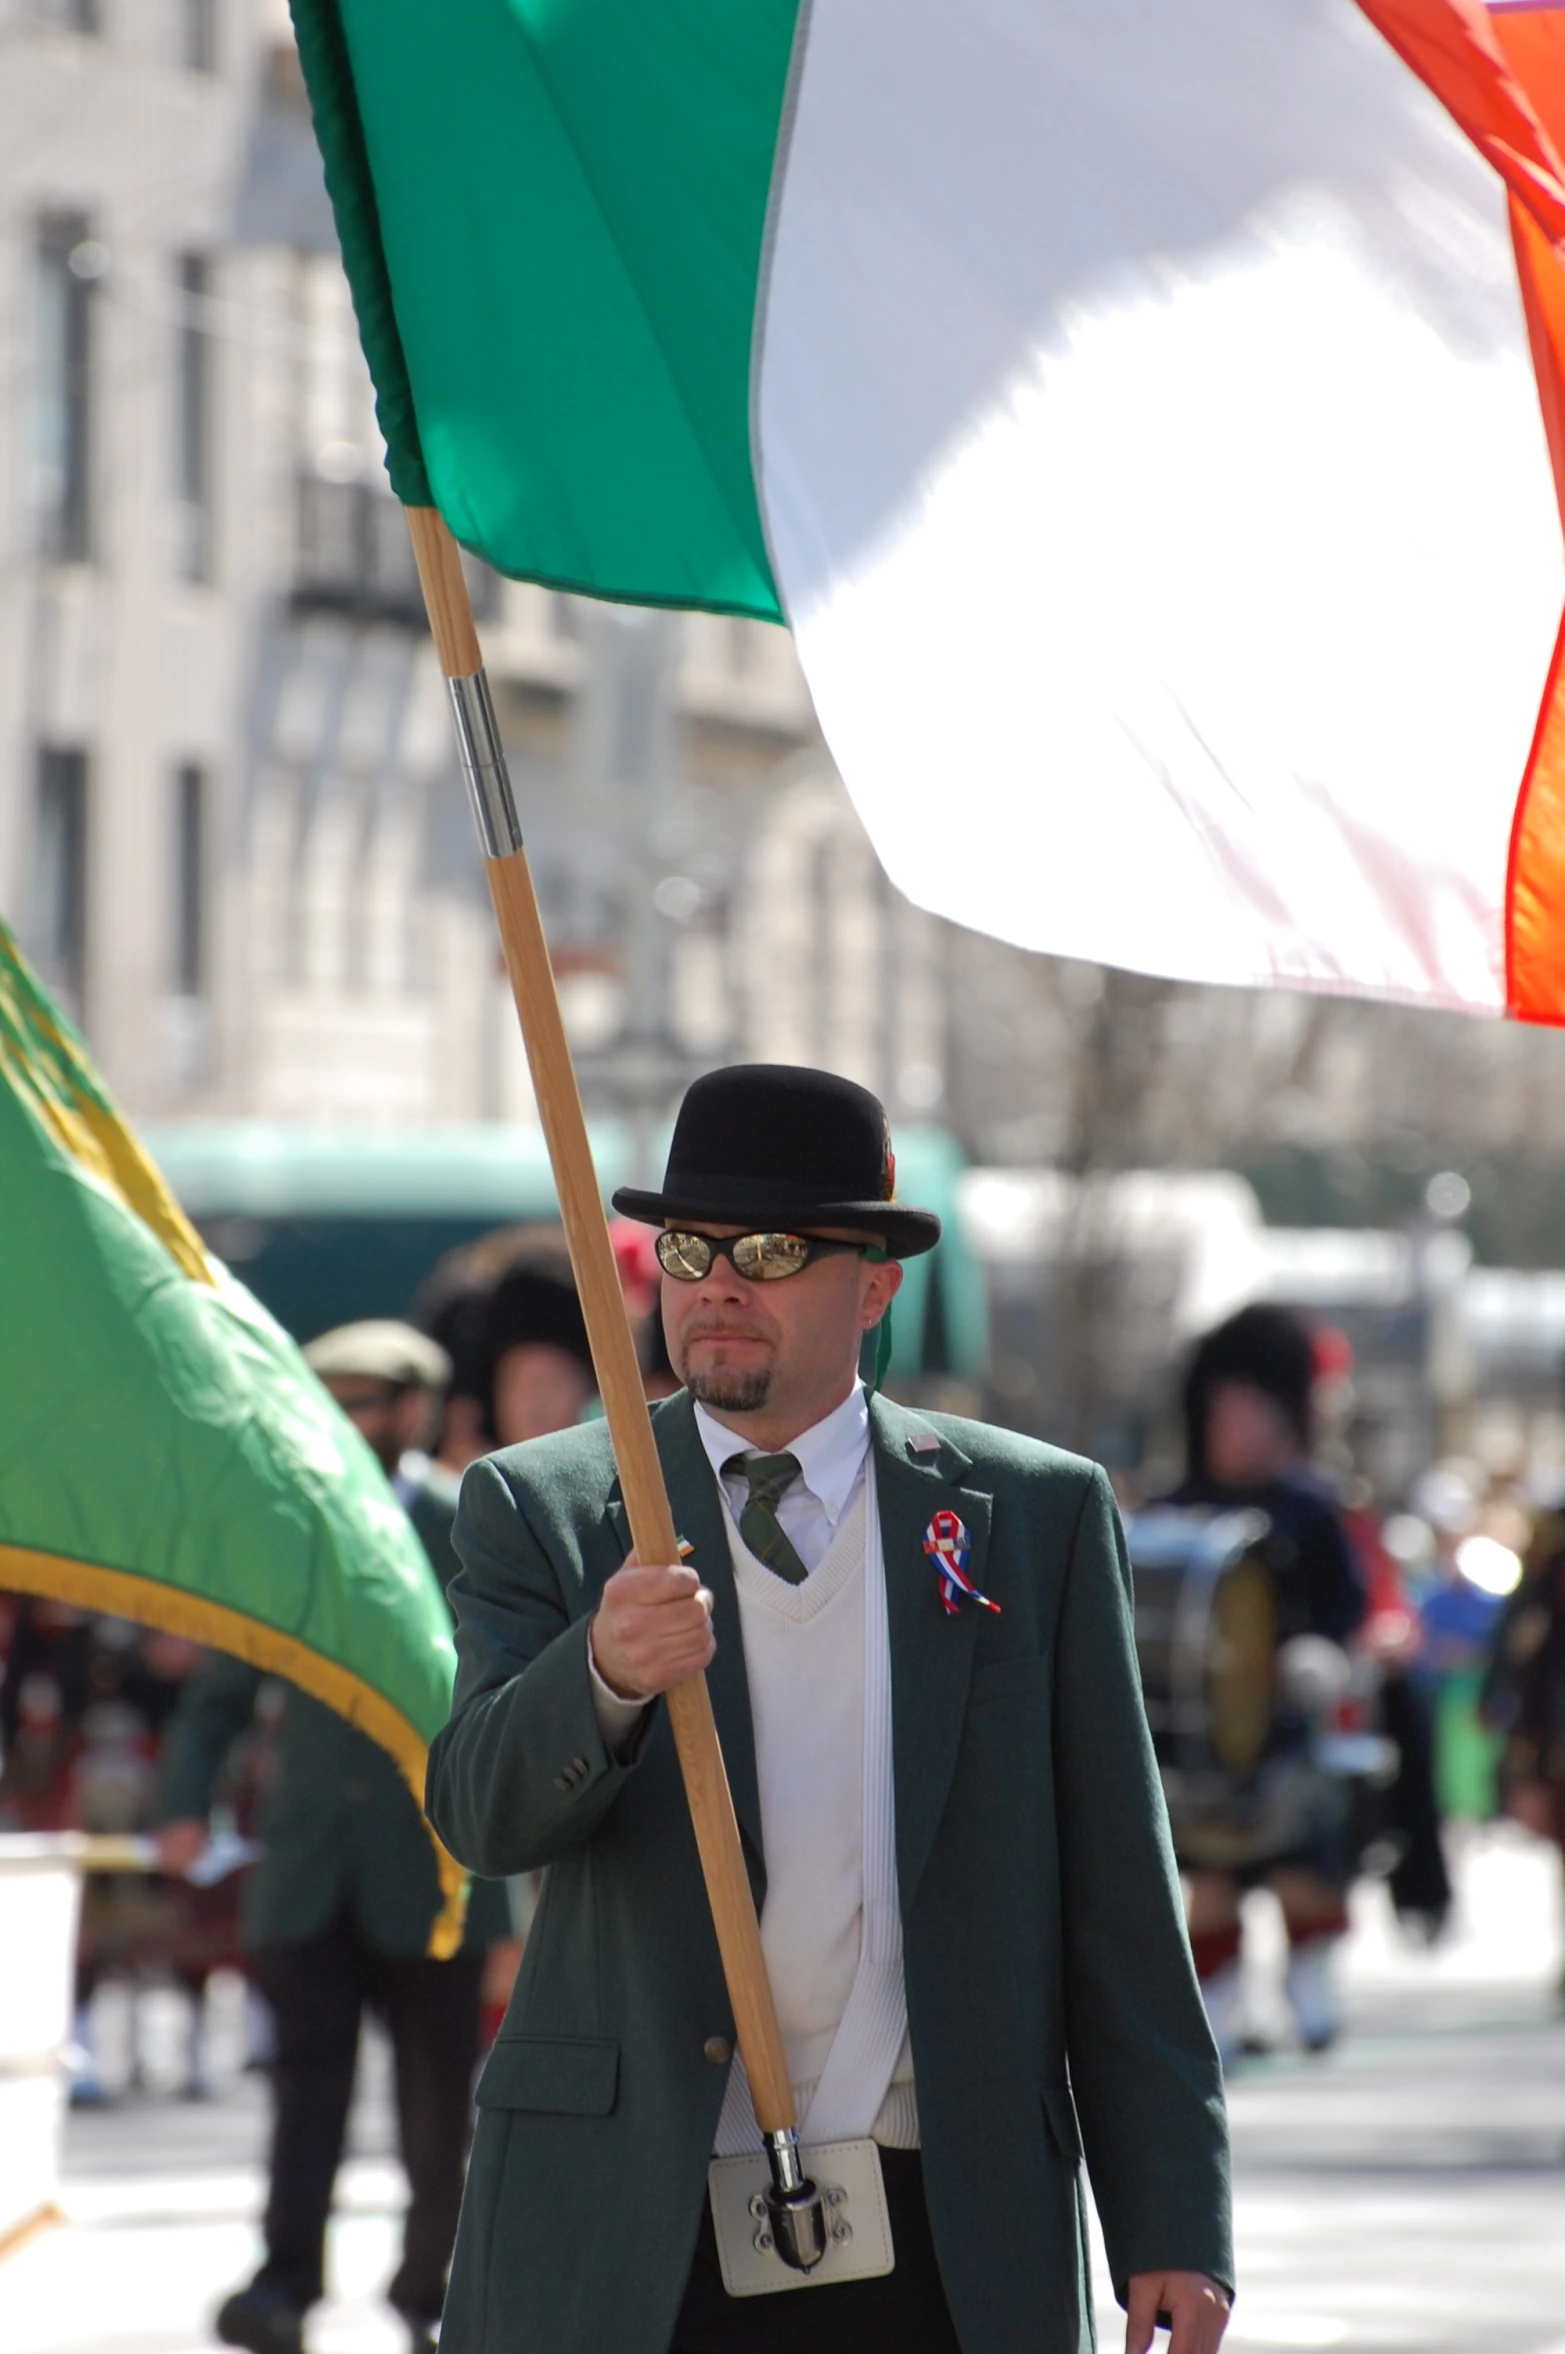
(87, 1585)
(64, 1095)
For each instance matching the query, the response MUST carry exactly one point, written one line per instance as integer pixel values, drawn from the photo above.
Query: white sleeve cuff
(617, 1717)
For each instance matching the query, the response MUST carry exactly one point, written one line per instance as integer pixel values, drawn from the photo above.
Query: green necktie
(767, 1477)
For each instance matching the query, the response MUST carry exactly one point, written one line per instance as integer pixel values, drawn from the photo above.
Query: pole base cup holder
(795, 2212)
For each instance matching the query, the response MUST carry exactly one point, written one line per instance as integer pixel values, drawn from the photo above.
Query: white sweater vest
(805, 1663)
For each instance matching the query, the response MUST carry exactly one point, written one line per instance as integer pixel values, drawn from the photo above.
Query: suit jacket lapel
(700, 1521)
(931, 1650)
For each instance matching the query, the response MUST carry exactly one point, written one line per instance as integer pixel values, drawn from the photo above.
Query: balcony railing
(353, 556)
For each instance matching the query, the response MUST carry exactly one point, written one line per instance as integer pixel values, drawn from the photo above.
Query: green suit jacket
(339, 1829)
(1048, 1975)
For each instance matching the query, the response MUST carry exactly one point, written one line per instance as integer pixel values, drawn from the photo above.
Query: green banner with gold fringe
(166, 1455)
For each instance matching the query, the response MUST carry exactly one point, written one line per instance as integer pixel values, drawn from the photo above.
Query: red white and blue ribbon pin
(948, 1544)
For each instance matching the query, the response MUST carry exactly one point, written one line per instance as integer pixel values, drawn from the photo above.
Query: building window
(190, 879)
(198, 36)
(72, 16)
(70, 263)
(57, 933)
(187, 1010)
(193, 452)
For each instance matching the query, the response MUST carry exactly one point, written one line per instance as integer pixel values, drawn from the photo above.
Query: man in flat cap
(338, 1911)
(919, 1640)
(388, 1378)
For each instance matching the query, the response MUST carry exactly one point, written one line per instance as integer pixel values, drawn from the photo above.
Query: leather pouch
(858, 2246)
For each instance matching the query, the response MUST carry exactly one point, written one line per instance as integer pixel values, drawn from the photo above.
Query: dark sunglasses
(759, 1258)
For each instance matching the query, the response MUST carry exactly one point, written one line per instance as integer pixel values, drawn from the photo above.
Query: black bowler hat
(768, 1145)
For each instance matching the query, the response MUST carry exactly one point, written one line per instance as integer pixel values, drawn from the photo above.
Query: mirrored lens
(766, 1258)
(687, 1256)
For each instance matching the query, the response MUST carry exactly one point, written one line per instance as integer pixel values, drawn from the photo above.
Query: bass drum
(1208, 1625)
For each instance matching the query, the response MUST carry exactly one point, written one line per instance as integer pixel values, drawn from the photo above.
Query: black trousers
(904, 2312)
(318, 1992)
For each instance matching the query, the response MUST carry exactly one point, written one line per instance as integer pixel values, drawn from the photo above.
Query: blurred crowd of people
(88, 1704)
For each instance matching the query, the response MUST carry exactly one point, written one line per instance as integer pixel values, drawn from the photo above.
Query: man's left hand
(1196, 2307)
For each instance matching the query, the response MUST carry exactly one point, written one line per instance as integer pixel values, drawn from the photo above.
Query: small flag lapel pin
(948, 1544)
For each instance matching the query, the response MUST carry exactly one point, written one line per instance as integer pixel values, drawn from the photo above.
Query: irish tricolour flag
(1140, 411)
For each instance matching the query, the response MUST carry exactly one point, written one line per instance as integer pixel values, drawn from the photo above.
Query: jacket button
(561, 1782)
(718, 2050)
(581, 1765)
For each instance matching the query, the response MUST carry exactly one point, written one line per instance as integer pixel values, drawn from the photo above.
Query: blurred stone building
(231, 832)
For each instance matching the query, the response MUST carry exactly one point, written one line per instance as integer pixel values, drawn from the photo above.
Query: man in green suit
(338, 1911)
(919, 1643)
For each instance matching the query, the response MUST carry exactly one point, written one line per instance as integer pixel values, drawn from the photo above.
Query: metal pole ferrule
(483, 765)
(782, 2150)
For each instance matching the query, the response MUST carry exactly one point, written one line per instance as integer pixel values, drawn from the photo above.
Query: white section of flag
(1153, 473)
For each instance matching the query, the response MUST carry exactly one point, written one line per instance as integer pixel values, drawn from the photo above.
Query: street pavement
(1405, 2194)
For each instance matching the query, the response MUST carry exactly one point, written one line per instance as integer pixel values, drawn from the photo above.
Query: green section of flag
(162, 1442)
(565, 203)
(323, 54)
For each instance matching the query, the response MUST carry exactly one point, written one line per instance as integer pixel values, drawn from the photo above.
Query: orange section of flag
(1532, 41)
(1535, 885)
(1456, 49)
(1501, 76)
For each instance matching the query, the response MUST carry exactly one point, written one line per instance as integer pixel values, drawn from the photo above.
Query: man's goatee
(733, 1392)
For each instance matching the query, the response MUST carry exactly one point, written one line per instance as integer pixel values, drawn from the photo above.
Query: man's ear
(885, 1281)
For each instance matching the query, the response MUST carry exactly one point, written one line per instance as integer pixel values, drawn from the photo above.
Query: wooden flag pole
(603, 1305)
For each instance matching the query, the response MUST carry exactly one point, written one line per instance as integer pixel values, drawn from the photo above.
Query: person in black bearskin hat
(1249, 1428)
(536, 1366)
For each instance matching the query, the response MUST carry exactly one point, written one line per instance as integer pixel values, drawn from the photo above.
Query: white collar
(831, 1452)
